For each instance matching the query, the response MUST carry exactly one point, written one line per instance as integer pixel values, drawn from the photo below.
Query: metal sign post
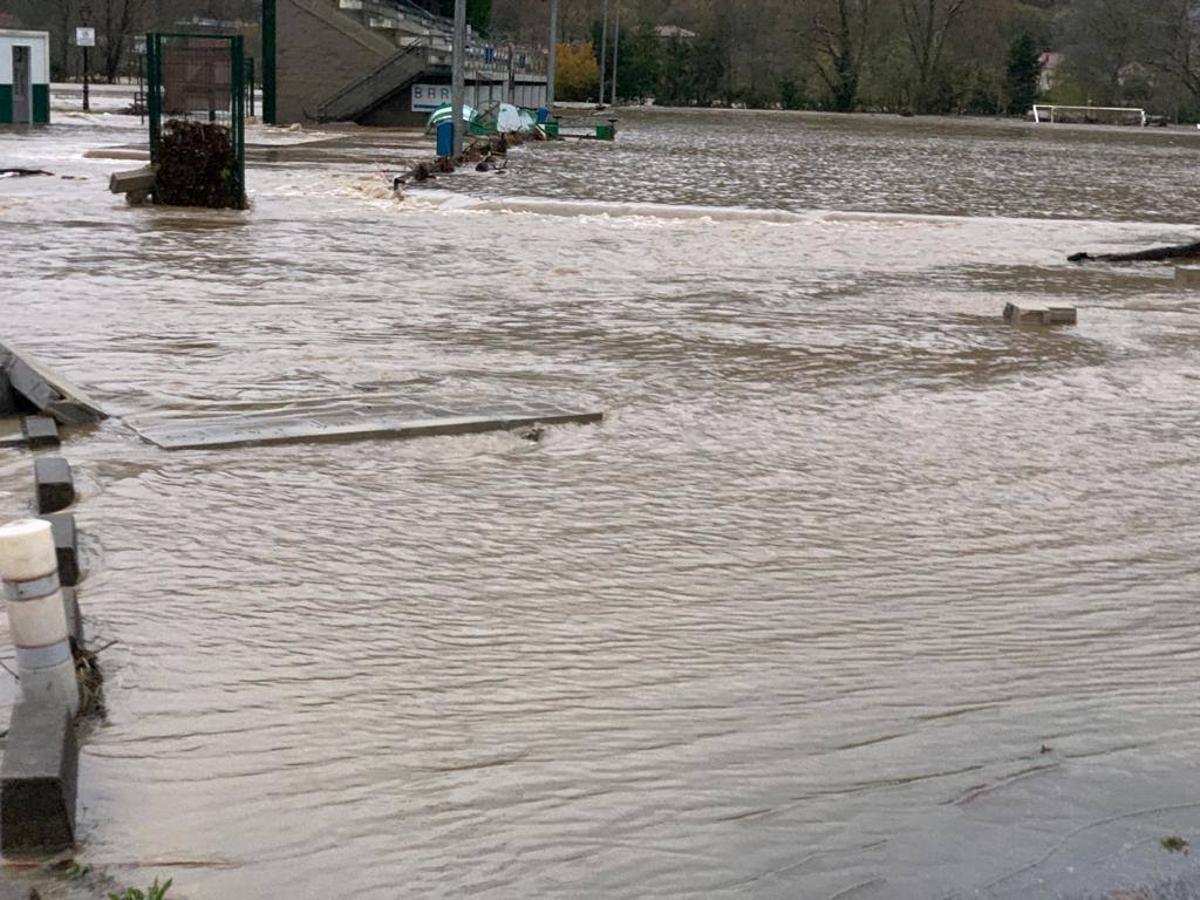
(457, 75)
(85, 37)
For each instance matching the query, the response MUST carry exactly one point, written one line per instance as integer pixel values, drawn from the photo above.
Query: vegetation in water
(1175, 844)
(156, 891)
(196, 166)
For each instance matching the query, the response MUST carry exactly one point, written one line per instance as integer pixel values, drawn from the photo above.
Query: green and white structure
(24, 77)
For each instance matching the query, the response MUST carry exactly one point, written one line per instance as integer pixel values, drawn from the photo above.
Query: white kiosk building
(24, 77)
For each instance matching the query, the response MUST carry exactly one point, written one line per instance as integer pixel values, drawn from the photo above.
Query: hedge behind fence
(196, 167)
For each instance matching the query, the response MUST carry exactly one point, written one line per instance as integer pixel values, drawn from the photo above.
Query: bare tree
(927, 23)
(842, 32)
(117, 21)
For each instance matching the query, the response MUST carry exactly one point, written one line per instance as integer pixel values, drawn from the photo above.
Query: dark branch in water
(1154, 254)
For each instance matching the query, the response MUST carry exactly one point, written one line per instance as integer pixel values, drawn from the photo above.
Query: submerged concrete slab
(1039, 314)
(38, 780)
(47, 391)
(399, 421)
(1187, 276)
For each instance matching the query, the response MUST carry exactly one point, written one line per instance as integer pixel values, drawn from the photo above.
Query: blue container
(543, 115)
(445, 138)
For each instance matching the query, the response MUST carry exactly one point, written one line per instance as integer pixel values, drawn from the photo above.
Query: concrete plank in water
(399, 422)
(46, 390)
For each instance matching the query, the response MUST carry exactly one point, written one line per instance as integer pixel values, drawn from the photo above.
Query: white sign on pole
(428, 97)
(85, 37)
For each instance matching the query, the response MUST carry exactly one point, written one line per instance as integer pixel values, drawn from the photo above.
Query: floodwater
(857, 593)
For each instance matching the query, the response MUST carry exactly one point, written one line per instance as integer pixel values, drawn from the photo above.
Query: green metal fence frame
(237, 96)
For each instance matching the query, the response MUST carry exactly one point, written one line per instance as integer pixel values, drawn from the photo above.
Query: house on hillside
(1050, 63)
(674, 32)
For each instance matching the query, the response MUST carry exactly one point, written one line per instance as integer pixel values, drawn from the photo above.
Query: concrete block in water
(139, 181)
(41, 431)
(55, 485)
(38, 780)
(1039, 314)
(66, 547)
(1187, 276)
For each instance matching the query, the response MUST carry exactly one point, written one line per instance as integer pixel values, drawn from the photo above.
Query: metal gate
(196, 88)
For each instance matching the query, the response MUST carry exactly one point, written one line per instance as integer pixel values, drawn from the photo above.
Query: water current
(857, 592)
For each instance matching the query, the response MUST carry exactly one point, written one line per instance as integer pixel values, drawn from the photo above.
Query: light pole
(457, 81)
(603, 49)
(551, 63)
(616, 51)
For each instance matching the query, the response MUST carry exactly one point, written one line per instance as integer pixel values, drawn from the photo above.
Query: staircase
(368, 91)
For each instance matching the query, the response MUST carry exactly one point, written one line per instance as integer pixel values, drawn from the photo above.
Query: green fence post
(268, 61)
(237, 125)
(154, 91)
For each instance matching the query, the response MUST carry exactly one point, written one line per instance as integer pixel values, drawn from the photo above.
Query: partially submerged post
(36, 616)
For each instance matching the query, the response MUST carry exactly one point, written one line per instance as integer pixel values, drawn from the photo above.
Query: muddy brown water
(797, 621)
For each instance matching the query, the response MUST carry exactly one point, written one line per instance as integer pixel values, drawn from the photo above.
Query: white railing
(1054, 107)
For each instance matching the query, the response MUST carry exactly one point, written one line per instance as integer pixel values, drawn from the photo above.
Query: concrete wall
(319, 51)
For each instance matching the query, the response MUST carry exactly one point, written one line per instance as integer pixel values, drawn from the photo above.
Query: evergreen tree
(479, 13)
(1024, 74)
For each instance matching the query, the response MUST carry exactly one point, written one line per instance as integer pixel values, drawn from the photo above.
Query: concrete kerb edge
(39, 772)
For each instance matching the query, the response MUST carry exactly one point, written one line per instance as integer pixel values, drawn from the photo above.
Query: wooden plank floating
(301, 426)
(28, 386)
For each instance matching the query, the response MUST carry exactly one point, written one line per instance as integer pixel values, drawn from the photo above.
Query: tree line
(922, 56)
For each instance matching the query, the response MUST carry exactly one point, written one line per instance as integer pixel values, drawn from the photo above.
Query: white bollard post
(36, 618)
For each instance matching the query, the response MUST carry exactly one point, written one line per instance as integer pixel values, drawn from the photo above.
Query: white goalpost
(1117, 115)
